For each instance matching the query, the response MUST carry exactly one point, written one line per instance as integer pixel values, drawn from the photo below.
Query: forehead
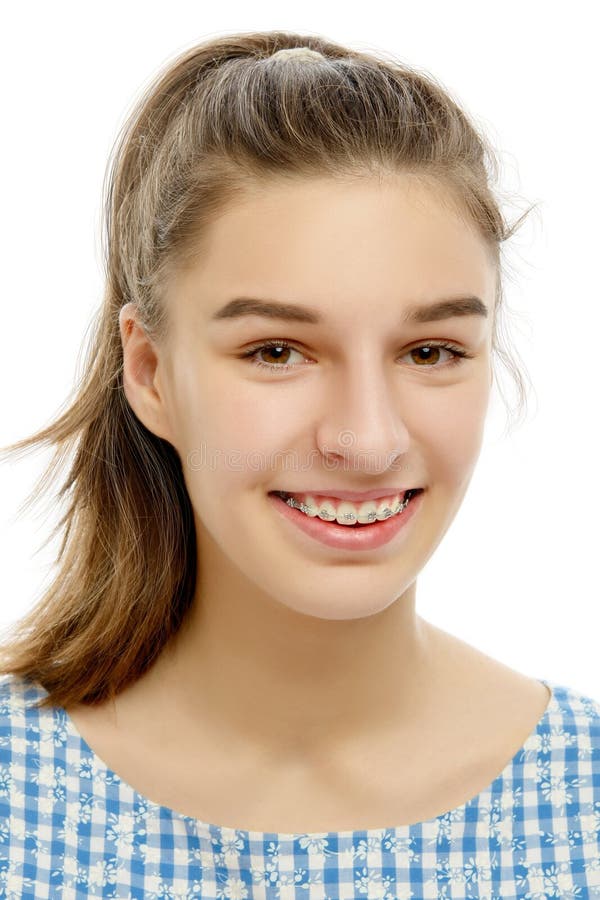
(325, 241)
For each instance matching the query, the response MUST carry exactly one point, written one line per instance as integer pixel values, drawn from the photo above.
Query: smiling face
(364, 403)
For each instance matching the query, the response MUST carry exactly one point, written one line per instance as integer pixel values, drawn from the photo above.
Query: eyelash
(458, 354)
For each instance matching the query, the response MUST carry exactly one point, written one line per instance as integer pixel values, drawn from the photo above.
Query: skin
(316, 659)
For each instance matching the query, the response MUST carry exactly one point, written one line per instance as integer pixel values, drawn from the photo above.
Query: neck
(285, 682)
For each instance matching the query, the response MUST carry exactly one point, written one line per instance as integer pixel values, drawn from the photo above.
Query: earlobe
(140, 362)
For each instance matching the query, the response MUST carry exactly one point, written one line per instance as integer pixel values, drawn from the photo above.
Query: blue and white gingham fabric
(70, 827)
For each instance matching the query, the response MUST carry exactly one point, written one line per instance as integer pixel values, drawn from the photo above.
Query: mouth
(347, 526)
(354, 514)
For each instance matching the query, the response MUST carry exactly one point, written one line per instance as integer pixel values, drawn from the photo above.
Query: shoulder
(558, 780)
(565, 755)
(573, 715)
(47, 800)
(18, 697)
(26, 732)
(31, 778)
(567, 739)
(18, 701)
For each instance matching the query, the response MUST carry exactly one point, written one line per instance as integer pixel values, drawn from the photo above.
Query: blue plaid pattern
(71, 828)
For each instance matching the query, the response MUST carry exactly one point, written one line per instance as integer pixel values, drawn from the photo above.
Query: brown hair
(222, 117)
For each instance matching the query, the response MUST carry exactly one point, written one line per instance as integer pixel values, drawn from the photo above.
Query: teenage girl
(228, 691)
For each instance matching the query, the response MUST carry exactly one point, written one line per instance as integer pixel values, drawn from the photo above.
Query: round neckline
(207, 827)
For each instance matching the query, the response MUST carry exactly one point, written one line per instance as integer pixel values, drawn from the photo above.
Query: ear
(141, 371)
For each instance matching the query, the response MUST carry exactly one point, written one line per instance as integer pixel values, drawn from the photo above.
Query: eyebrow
(240, 307)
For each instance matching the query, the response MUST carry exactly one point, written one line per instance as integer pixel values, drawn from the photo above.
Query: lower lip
(348, 537)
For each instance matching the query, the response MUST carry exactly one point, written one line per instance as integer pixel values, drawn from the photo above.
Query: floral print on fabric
(71, 828)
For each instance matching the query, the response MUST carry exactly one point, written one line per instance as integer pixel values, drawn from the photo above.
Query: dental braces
(349, 517)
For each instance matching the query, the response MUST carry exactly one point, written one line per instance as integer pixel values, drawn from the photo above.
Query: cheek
(229, 433)
(249, 417)
(454, 430)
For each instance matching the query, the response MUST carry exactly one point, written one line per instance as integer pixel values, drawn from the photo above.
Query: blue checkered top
(71, 828)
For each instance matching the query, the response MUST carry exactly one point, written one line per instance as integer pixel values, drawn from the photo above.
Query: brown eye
(426, 354)
(278, 351)
(278, 354)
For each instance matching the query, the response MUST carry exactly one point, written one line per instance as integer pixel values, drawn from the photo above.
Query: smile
(346, 512)
(346, 534)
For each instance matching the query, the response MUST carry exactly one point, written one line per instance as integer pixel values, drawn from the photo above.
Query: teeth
(347, 513)
(326, 512)
(311, 507)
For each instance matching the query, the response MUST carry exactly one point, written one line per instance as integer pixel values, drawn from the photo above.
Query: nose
(361, 420)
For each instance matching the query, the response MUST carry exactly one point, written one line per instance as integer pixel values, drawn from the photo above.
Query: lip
(348, 537)
(355, 496)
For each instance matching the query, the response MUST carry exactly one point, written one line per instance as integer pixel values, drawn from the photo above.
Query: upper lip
(356, 496)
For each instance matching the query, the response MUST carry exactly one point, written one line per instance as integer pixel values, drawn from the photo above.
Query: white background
(516, 575)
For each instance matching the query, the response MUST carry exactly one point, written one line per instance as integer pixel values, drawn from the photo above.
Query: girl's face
(365, 401)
